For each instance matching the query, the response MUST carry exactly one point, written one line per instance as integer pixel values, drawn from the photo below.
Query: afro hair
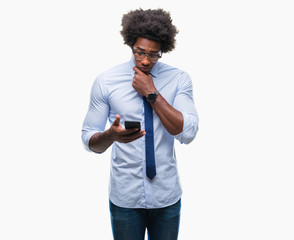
(152, 24)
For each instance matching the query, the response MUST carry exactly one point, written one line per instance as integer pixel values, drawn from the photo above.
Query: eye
(140, 53)
(153, 55)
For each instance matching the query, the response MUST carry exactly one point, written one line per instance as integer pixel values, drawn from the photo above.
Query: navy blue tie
(150, 158)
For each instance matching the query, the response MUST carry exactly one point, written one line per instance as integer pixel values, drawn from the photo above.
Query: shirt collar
(154, 71)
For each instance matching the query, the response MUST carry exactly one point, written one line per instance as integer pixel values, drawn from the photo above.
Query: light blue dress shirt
(112, 93)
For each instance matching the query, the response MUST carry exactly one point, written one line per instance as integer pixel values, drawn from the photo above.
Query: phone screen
(132, 124)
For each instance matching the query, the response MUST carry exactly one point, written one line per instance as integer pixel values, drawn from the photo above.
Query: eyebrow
(143, 50)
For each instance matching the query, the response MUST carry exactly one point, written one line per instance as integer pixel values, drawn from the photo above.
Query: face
(144, 45)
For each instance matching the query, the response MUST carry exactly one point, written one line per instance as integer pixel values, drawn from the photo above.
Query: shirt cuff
(190, 129)
(86, 136)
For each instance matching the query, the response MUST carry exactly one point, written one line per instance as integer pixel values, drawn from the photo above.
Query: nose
(145, 60)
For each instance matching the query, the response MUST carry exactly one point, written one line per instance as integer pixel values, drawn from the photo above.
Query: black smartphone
(133, 124)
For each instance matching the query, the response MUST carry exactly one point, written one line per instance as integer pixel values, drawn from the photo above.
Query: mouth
(145, 69)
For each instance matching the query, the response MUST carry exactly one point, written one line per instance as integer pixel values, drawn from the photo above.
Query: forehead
(147, 44)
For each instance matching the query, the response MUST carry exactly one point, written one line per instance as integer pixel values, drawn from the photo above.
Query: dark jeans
(131, 223)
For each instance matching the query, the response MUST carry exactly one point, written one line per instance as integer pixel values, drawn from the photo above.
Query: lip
(144, 69)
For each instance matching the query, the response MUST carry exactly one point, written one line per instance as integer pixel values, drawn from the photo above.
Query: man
(144, 189)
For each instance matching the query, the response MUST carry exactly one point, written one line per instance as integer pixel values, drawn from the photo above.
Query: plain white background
(237, 175)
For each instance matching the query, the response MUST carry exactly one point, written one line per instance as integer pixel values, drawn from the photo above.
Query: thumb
(117, 120)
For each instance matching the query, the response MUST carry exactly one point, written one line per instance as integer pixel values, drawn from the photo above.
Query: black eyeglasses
(141, 55)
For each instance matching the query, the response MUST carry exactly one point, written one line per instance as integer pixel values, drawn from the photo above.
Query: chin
(146, 71)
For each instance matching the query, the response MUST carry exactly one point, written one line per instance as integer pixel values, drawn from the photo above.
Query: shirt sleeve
(96, 117)
(184, 103)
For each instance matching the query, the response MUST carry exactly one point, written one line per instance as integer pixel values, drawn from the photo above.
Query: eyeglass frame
(159, 55)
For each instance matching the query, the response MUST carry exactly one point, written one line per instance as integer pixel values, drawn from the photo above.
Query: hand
(122, 135)
(142, 82)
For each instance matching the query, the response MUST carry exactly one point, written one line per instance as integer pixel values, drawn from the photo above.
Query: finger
(122, 132)
(137, 70)
(127, 132)
(133, 136)
(131, 133)
(117, 120)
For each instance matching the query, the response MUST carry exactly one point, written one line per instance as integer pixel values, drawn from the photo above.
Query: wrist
(150, 90)
(110, 134)
(151, 96)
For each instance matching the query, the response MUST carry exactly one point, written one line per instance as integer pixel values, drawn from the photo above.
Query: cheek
(137, 63)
